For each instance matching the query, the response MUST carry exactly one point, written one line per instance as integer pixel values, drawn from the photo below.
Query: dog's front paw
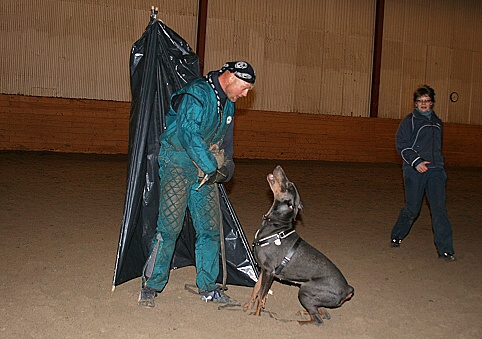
(249, 305)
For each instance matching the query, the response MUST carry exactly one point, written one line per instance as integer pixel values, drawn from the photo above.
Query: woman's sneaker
(447, 256)
(395, 243)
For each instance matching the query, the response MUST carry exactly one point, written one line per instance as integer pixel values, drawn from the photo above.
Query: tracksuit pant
(432, 183)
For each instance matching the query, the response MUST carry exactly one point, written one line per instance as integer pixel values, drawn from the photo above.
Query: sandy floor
(60, 217)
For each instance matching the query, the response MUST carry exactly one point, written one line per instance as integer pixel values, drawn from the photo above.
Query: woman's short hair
(424, 90)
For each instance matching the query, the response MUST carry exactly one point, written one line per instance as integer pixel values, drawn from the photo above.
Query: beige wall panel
(476, 90)
(256, 43)
(394, 24)
(281, 44)
(461, 86)
(350, 58)
(307, 89)
(390, 94)
(441, 22)
(281, 13)
(357, 80)
(309, 47)
(279, 92)
(220, 43)
(222, 10)
(356, 95)
(80, 49)
(336, 16)
(438, 77)
(360, 17)
(457, 112)
(413, 73)
(11, 62)
(415, 30)
(333, 74)
(41, 69)
(311, 14)
(248, 11)
(70, 48)
(467, 25)
(43, 41)
(15, 44)
(241, 37)
(309, 61)
(439, 53)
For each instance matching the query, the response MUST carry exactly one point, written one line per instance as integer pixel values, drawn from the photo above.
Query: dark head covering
(241, 69)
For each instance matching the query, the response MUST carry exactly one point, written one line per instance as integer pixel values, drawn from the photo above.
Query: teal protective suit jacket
(193, 124)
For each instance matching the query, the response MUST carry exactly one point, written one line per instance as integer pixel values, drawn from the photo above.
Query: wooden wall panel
(333, 138)
(475, 102)
(357, 76)
(311, 56)
(63, 125)
(426, 47)
(93, 126)
(464, 17)
(438, 69)
(332, 77)
(286, 43)
(440, 27)
(78, 48)
(413, 75)
(309, 70)
(391, 91)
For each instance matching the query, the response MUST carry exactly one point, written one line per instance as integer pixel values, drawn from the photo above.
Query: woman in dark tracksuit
(419, 142)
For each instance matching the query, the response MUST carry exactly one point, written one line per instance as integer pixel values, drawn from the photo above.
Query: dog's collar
(265, 217)
(274, 238)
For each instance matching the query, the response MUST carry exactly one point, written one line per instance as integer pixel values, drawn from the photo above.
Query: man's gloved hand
(219, 175)
(222, 174)
(207, 178)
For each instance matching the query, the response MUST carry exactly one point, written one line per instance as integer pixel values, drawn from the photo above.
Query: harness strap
(288, 257)
(272, 238)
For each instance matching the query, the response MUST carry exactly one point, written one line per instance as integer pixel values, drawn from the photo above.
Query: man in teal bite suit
(196, 152)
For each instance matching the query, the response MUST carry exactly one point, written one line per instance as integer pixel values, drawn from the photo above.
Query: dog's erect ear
(297, 205)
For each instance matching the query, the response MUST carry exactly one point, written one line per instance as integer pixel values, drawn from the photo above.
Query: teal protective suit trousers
(178, 183)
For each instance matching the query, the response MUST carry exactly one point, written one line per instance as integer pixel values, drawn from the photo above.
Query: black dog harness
(276, 239)
(288, 257)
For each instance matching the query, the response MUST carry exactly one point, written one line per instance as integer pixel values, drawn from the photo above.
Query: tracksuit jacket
(420, 139)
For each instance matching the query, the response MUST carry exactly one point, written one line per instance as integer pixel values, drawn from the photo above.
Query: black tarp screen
(161, 62)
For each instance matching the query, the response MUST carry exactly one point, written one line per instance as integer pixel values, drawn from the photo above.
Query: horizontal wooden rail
(93, 126)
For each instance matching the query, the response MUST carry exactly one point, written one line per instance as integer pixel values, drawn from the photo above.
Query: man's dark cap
(241, 69)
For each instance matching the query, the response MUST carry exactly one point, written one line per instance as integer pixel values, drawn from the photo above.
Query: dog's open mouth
(277, 175)
(277, 181)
